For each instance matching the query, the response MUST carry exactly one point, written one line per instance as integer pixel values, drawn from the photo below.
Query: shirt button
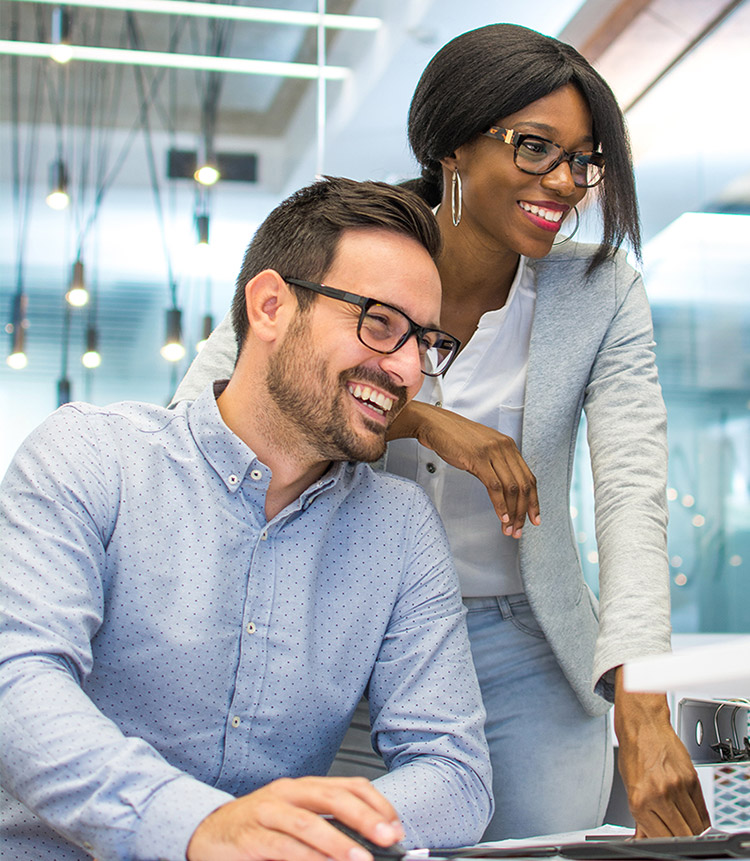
(233, 479)
(264, 535)
(431, 468)
(438, 403)
(235, 721)
(256, 475)
(250, 627)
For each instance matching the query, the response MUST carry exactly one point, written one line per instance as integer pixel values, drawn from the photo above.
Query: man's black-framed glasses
(536, 155)
(385, 329)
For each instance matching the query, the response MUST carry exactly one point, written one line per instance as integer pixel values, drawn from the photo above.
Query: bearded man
(197, 598)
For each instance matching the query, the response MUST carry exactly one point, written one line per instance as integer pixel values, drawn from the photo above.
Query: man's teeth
(547, 214)
(377, 400)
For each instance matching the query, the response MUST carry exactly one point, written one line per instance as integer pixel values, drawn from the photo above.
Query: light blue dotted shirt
(164, 648)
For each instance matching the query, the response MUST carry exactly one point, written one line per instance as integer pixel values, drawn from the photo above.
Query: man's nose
(404, 366)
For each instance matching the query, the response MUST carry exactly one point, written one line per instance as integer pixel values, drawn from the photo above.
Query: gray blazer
(592, 349)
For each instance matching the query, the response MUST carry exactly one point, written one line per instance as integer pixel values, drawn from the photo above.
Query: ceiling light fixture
(60, 52)
(17, 359)
(207, 174)
(166, 60)
(173, 349)
(78, 295)
(63, 392)
(201, 228)
(227, 12)
(58, 197)
(92, 357)
(207, 328)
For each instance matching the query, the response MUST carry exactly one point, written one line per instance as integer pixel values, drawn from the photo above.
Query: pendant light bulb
(173, 349)
(207, 173)
(78, 295)
(17, 359)
(92, 357)
(61, 52)
(58, 197)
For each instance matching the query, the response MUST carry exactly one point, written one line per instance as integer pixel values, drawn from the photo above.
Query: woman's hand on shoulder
(490, 456)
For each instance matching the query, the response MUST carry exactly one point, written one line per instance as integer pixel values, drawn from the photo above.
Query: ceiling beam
(225, 12)
(168, 60)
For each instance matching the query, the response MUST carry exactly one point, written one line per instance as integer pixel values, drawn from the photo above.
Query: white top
(486, 383)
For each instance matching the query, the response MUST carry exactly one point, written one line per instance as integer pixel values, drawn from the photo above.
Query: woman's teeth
(547, 214)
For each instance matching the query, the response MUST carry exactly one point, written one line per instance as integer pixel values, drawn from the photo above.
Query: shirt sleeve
(214, 362)
(426, 708)
(113, 795)
(626, 421)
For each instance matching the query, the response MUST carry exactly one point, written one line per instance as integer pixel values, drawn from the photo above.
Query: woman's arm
(627, 437)
(488, 455)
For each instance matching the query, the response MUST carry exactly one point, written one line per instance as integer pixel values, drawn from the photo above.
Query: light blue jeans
(552, 762)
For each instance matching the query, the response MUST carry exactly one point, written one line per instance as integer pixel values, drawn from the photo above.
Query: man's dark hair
(300, 237)
(490, 73)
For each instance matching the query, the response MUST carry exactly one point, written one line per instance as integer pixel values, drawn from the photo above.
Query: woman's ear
(270, 305)
(450, 162)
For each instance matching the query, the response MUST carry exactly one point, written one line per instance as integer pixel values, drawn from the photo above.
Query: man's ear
(270, 305)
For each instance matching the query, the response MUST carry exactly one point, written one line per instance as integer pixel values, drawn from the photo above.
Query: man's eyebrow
(406, 314)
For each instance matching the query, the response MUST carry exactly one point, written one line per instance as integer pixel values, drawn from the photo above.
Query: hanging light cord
(107, 180)
(22, 190)
(146, 126)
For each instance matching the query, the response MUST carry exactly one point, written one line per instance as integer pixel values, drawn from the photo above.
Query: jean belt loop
(503, 605)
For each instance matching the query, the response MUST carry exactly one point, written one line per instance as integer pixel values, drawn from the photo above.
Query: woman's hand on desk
(488, 455)
(664, 793)
(282, 821)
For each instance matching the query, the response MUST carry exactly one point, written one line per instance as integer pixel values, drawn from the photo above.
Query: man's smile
(377, 401)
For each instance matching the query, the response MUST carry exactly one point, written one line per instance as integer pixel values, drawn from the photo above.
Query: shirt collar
(229, 456)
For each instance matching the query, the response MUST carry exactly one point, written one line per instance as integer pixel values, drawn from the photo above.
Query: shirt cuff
(172, 815)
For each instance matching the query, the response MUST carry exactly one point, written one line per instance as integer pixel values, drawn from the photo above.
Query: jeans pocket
(525, 620)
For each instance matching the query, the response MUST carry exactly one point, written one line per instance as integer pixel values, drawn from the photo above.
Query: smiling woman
(513, 129)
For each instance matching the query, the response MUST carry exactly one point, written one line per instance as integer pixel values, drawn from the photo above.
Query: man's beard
(315, 405)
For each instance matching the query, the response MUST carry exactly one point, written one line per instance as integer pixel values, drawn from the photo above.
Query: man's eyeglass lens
(385, 330)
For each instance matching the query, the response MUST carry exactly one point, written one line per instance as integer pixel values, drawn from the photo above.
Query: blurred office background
(125, 140)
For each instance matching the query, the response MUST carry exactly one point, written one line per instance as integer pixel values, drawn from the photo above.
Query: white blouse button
(235, 721)
(233, 479)
(250, 627)
(256, 475)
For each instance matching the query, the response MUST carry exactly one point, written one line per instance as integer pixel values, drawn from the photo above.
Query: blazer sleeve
(626, 420)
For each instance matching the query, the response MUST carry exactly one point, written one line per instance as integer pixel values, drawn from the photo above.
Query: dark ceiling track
(712, 25)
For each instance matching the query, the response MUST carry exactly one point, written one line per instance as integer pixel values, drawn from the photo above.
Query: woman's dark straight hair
(490, 73)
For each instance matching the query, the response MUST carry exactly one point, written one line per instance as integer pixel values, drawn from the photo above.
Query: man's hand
(664, 794)
(280, 822)
(488, 455)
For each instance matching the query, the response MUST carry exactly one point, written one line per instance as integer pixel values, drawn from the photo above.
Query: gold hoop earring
(573, 232)
(456, 198)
